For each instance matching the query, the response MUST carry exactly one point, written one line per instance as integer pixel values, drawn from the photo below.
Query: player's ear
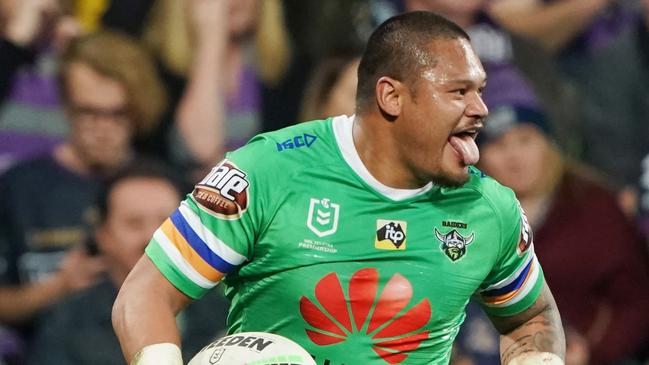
(389, 95)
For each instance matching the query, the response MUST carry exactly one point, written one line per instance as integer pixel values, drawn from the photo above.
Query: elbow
(118, 316)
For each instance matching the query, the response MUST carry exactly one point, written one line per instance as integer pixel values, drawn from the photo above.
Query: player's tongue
(465, 146)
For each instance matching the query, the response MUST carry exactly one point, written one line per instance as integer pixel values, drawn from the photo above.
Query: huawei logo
(382, 317)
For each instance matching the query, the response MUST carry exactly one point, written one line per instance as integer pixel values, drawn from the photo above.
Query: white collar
(342, 128)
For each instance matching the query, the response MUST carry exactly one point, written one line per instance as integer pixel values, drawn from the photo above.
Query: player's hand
(29, 19)
(78, 270)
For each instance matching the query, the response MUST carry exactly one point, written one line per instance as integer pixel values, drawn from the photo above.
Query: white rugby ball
(252, 348)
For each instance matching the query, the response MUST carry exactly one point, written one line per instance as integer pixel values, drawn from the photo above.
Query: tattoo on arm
(538, 329)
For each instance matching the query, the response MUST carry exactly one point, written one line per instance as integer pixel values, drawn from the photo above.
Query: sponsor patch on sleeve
(224, 191)
(527, 238)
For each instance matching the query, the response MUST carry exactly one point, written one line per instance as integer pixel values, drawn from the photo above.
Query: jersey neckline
(342, 127)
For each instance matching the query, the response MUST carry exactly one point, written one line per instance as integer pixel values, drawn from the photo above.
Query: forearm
(535, 331)
(138, 322)
(144, 312)
(543, 333)
(552, 25)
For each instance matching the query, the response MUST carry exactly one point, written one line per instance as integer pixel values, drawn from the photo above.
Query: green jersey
(319, 251)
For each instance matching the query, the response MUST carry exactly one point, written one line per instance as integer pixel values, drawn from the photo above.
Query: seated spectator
(31, 118)
(227, 50)
(572, 30)
(592, 256)
(132, 206)
(617, 132)
(331, 90)
(111, 93)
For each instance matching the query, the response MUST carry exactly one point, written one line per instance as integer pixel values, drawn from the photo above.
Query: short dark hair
(398, 48)
(139, 168)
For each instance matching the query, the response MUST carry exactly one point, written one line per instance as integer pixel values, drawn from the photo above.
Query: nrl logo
(216, 355)
(323, 217)
(454, 244)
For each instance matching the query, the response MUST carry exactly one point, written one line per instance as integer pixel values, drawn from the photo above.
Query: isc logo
(305, 140)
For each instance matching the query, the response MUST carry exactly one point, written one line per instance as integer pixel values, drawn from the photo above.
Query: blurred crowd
(111, 109)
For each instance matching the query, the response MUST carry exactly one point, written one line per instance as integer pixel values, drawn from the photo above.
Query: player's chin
(453, 172)
(452, 177)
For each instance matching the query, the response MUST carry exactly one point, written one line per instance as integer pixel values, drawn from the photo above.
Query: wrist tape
(159, 354)
(536, 358)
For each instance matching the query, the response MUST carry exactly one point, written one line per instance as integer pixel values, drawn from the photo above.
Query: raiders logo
(453, 243)
(223, 192)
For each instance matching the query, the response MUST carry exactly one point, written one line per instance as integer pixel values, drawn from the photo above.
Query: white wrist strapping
(159, 354)
(536, 358)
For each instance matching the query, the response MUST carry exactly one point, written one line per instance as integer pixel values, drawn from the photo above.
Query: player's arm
(533, 334)
(211, 234)
(144, 316)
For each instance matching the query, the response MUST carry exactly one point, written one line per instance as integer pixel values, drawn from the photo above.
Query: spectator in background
(331, 89)
(571, 30)
(215, 58)
(617, 132)
(21, 25)
(31, 118)
(227, 49)
(644, 197)
(111, 93)
(133, 204)
(592, 255)
(318, 31)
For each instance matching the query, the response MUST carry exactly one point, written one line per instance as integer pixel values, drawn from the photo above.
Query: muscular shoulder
(283, 152)
(500, 198)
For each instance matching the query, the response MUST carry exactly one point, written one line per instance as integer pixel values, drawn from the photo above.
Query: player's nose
(476, 107)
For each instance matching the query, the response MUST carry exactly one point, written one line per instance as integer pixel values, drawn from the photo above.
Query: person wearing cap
(593, 257)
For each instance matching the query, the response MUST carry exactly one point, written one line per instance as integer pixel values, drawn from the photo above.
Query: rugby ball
(252, 348)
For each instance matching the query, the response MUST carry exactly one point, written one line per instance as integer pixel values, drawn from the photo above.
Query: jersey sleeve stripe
(514, 296)
(505, 282)
(198, 244)
(188, 210)
(188, 252)
(513, 285)
(171, 272)
(176, 257)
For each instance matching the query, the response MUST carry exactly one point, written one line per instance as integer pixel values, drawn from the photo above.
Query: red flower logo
(376, 315)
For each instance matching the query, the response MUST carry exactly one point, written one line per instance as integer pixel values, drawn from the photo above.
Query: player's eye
(461, 91)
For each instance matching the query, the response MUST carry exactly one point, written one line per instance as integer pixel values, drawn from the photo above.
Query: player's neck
(380, 154)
